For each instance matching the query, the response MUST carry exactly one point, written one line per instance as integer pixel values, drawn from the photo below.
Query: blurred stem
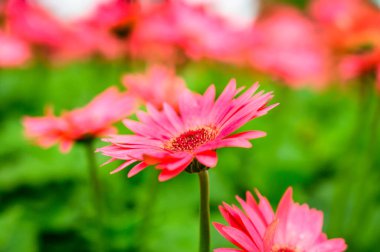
(146, 210)
(204, 241)
(96, 190)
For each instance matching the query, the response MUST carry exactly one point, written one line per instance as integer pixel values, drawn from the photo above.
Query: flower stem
(96, 191)
(204, 241)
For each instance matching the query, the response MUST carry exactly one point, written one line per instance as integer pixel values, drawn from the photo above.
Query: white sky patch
(70, 10)
(238, 12)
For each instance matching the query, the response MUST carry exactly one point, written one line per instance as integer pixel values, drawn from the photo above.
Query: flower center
(277, 248)
(191, 139)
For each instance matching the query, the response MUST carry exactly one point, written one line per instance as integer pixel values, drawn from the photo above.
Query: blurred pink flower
(13, 51)
(156, 37)
(343, 14)
(116, 16)
(209, 36)
(293, 228)
(174, 29)
(93, 120)
(175, 141)
(61, 41)
(287, 45)
(32, 23)
(157, 86)
(352, 28)
(101, 33)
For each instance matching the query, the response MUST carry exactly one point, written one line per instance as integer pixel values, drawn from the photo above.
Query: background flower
(157, 86)
(91, 121)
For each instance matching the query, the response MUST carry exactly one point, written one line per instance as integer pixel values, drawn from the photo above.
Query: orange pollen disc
(277, 248)
(191, 139)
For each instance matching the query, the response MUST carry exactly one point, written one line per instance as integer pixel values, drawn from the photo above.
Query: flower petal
(207, 158)
(138, 168)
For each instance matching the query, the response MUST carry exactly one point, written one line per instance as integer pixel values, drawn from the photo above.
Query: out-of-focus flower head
(117, 16)
(209, 36)
(93, 120)
(157, 86)
(103, 32)
(156, 36)
(352, 28)
(186, 140)
(287, 45)
(173, 29)
(292, 228)
(63, 40)
(34, 24)
(14, 52)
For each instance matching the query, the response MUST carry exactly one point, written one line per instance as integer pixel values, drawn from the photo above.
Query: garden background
(324, 143)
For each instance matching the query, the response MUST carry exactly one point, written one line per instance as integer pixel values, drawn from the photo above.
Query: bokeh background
(323, 139)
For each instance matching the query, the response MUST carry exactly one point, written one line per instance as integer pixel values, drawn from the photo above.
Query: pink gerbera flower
(157, 86)
(188, 139)
(91, 121)
(293, 228)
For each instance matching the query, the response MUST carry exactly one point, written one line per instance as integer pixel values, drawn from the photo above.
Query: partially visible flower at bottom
(188, 139)
(93, 120)
(292, 228)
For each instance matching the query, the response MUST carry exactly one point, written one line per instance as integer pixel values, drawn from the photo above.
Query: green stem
(204, 241)
(96, 191)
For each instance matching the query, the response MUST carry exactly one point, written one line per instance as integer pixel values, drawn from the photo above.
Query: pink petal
(242, 239)
(207, 158)
(269, 236)
(252, 134)
(282, 214)
(172, 116)
(254, 215)
(227, 250)
(264, 206)
(168, 174)
(222, 231)
(332, 245)
(138, 168)
(122, 166)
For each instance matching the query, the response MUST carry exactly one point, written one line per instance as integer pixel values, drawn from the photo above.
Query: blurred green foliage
(323, 143)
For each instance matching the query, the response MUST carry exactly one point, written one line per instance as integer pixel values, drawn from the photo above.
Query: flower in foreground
(292, 228)
(174, 141)
(157, 86)
(89, 122)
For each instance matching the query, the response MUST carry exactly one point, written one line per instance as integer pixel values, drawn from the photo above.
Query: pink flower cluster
(298, 48)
